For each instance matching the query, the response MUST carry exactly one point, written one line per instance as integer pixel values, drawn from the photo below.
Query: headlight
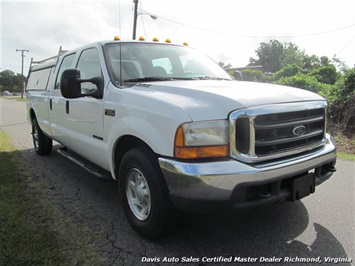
(202, 140)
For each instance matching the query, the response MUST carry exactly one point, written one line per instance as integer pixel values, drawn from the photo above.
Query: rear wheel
(144, 194)
(42, 144)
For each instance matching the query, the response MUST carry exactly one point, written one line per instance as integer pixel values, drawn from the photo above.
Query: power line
(346, 45)
(253, 36)
(145, 35)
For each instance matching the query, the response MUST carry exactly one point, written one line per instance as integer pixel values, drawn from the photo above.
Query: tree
(340, 64)
(11, 82)
(301, 81)
(6, 80)
(292, 55)
(342, 103)
(311, 62)
(270, 56)
(324, 60)
(287, 71)
(254, 75)
(222, 64)
(326, 74)
(226, 67)
(275, 55)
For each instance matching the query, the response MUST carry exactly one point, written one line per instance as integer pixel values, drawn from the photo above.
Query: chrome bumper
(217, 180)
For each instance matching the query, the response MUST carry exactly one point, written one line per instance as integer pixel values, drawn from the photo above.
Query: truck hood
(215, 99)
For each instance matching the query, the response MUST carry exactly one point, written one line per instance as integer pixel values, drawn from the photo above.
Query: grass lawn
(32, 230)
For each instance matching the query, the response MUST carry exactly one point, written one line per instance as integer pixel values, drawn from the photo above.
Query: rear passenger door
(57, 113)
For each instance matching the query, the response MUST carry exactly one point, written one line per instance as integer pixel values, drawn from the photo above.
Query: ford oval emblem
(299, 130)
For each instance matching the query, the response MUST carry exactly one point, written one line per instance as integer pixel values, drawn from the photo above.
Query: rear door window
(66, 64)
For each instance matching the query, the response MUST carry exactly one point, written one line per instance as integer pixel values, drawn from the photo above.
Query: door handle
(67, 107)
(50, 104)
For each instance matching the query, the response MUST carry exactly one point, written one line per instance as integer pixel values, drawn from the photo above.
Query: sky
(227, 30)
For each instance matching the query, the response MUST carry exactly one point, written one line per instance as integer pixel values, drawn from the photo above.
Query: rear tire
(144, 194)
(42, 144)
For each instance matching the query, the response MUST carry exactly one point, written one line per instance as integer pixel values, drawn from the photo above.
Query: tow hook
(329, 168)
(262, 192)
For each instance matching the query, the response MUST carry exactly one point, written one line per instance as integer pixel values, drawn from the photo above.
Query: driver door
(84, 116)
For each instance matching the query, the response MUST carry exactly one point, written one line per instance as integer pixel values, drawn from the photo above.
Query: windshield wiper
(147, 79)
(211, 78)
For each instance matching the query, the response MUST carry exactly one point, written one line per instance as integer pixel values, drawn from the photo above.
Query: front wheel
(144, 194)
(42, 144)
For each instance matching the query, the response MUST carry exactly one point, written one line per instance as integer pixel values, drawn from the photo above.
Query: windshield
(157, 62)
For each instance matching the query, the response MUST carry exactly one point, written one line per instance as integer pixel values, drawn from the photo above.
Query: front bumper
(230, 184)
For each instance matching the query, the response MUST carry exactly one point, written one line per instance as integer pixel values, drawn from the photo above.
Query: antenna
(119, 18)
(135, 18)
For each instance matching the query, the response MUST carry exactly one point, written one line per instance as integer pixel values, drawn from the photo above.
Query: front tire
(42, 144)
(144, 194)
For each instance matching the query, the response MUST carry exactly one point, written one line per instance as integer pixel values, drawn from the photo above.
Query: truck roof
(52, 61)
(104, 42)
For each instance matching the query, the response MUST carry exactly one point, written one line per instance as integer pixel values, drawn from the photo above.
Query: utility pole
(23, 82)
(135, 18)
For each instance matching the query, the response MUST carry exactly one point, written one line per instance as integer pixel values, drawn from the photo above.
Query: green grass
(346, 156)
(32, 230)
(15, 98)
(345, 144)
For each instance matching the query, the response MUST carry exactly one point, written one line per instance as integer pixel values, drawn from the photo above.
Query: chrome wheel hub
(35, 137)
(138, 195)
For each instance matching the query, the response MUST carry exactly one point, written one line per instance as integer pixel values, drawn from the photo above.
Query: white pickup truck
(176, 131)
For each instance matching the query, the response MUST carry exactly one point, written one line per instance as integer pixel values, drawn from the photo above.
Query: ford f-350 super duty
(176, 131)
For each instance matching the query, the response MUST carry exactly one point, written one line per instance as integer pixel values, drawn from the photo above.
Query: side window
(38, 79)
(66, 64)
(89, 66)
(162, 66)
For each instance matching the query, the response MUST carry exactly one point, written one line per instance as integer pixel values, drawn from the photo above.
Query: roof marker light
(155, 39)
(186, 44)
(168, 41)
(116, 38)
(141, 38)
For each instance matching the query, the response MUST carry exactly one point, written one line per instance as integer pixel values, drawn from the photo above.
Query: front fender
(158, 132)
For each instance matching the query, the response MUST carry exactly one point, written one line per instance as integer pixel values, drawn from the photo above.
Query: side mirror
(70, 85)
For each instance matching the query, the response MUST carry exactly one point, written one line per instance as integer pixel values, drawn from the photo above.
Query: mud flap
(303, 186)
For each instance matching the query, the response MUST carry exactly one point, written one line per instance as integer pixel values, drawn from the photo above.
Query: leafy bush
(288, 71)
(254, 75)
(302, 81)
(342, 103)
(325, 74)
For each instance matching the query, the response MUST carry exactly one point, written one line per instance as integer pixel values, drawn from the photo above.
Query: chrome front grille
(273, 131)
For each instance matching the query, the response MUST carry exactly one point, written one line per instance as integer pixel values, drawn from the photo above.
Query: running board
(87, 165)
